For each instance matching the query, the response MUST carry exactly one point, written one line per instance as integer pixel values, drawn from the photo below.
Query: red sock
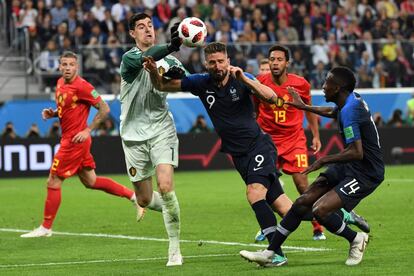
(51, 206)
(111, 187)
(317, 227)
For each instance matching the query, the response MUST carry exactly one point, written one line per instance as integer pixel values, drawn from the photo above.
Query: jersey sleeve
(131, 65)
(87, 93)
(350, 124)
(192, 83)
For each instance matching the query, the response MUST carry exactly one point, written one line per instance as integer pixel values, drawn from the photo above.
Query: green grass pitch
(214, 210)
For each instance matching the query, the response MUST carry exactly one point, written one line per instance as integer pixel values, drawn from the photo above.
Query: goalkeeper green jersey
(144, 109)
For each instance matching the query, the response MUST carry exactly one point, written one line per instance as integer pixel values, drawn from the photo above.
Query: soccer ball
(192, 31)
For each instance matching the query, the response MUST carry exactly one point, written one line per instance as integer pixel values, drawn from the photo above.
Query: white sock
(156, 202)
(171, 214)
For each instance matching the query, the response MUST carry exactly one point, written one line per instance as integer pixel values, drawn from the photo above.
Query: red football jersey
(74, 101)
(286, 122)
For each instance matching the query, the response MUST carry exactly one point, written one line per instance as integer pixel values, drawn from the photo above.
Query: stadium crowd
(374, 38)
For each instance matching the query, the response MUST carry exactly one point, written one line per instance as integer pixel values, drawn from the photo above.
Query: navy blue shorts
(350, 188)
(258, 165)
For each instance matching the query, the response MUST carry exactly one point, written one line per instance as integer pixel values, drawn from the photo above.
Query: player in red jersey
(285, 125)
(74, 97)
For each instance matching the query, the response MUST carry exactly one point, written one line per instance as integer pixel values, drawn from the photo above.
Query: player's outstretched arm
(262, 91)
(159, 82)
(352, 152)
(103, 110)
(48, 113)
(297, 102)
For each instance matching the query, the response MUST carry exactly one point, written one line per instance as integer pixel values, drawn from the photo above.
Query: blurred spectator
(318, 75)
(379, 122)
(363, 6)
(45, 31)
(396, 119)
(239, 60)
(107, 128)
(298, 64)
(108, 25)
(119, 10)
(271, 31)
(319, 52)
(257, 22)
(59, 13)
(285, 31)
(200, 125)
(79, 38)
(72, 21)
(365, 77)
(194, 64)
(264, 66)
(28, 16)
(54, 131)
(388, 7)
(98, 10)
(33, 132)
(163, 11)
(237, 22)
(15, 8)
(380, 76)
(49, 64)
(9, 132)
(225, 30)
(62, 32)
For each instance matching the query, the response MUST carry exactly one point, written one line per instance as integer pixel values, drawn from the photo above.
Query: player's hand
(314, 167)
(150, 65)
(48, 113)
(296, 99)
(81, 136)
(316, 145)
(236, 72)
(175, 73)
(175, 42)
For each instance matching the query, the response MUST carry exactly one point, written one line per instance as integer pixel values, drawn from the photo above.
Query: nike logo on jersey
(256, 169)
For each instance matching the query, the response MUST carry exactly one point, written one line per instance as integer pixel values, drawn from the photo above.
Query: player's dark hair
(281, 48)
(215, 47)
(344, 77)
(136, 17)
(68, 54)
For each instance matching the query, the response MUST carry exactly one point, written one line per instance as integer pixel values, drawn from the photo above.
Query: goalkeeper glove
(175, 42)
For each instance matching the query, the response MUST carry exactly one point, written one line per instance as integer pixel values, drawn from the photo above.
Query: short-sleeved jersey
(74, 101)
(144, 109)
(286, 122)
(356, 123)
(230, 109)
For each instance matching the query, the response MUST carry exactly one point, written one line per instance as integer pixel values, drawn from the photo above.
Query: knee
(88, 182)
(165, 186)
(255, 193)
(144, 200)
(53, 183)
(319, 212)
(300, 209)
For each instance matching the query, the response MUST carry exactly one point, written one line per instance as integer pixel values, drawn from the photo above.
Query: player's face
(69, 68)
(217, 65)
(143, 33)
(278, 63)
(330, 88)
(264, 68)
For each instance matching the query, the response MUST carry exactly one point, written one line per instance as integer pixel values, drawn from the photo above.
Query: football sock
(171, 214)
(156, 202)
(338, 227)
(289, 223)
(51, 206)
(111, 187)
(267, 221)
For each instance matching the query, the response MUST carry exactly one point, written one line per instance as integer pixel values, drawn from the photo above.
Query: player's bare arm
(159, 82)
(314, 127)
(352, 152)
(297, 102)
(103, 110)
(262, 91)
(48, 113)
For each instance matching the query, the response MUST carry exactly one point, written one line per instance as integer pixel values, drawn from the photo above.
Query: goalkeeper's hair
(136, 17)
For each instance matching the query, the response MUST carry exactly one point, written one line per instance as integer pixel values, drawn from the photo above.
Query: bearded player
(74, 97)
(285, 125)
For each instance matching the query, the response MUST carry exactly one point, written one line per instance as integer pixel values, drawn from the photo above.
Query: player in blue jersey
(225, 92)
(353, 174)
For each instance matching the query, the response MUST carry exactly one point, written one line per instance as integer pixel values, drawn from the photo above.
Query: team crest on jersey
(233, 93)
(161, 70)
(132, 171)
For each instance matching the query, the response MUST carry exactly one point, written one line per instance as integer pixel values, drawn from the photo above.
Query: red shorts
(72, 157)
(292, 156)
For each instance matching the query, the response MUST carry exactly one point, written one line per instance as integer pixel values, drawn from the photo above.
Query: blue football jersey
(230, 109)
(356, 123)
